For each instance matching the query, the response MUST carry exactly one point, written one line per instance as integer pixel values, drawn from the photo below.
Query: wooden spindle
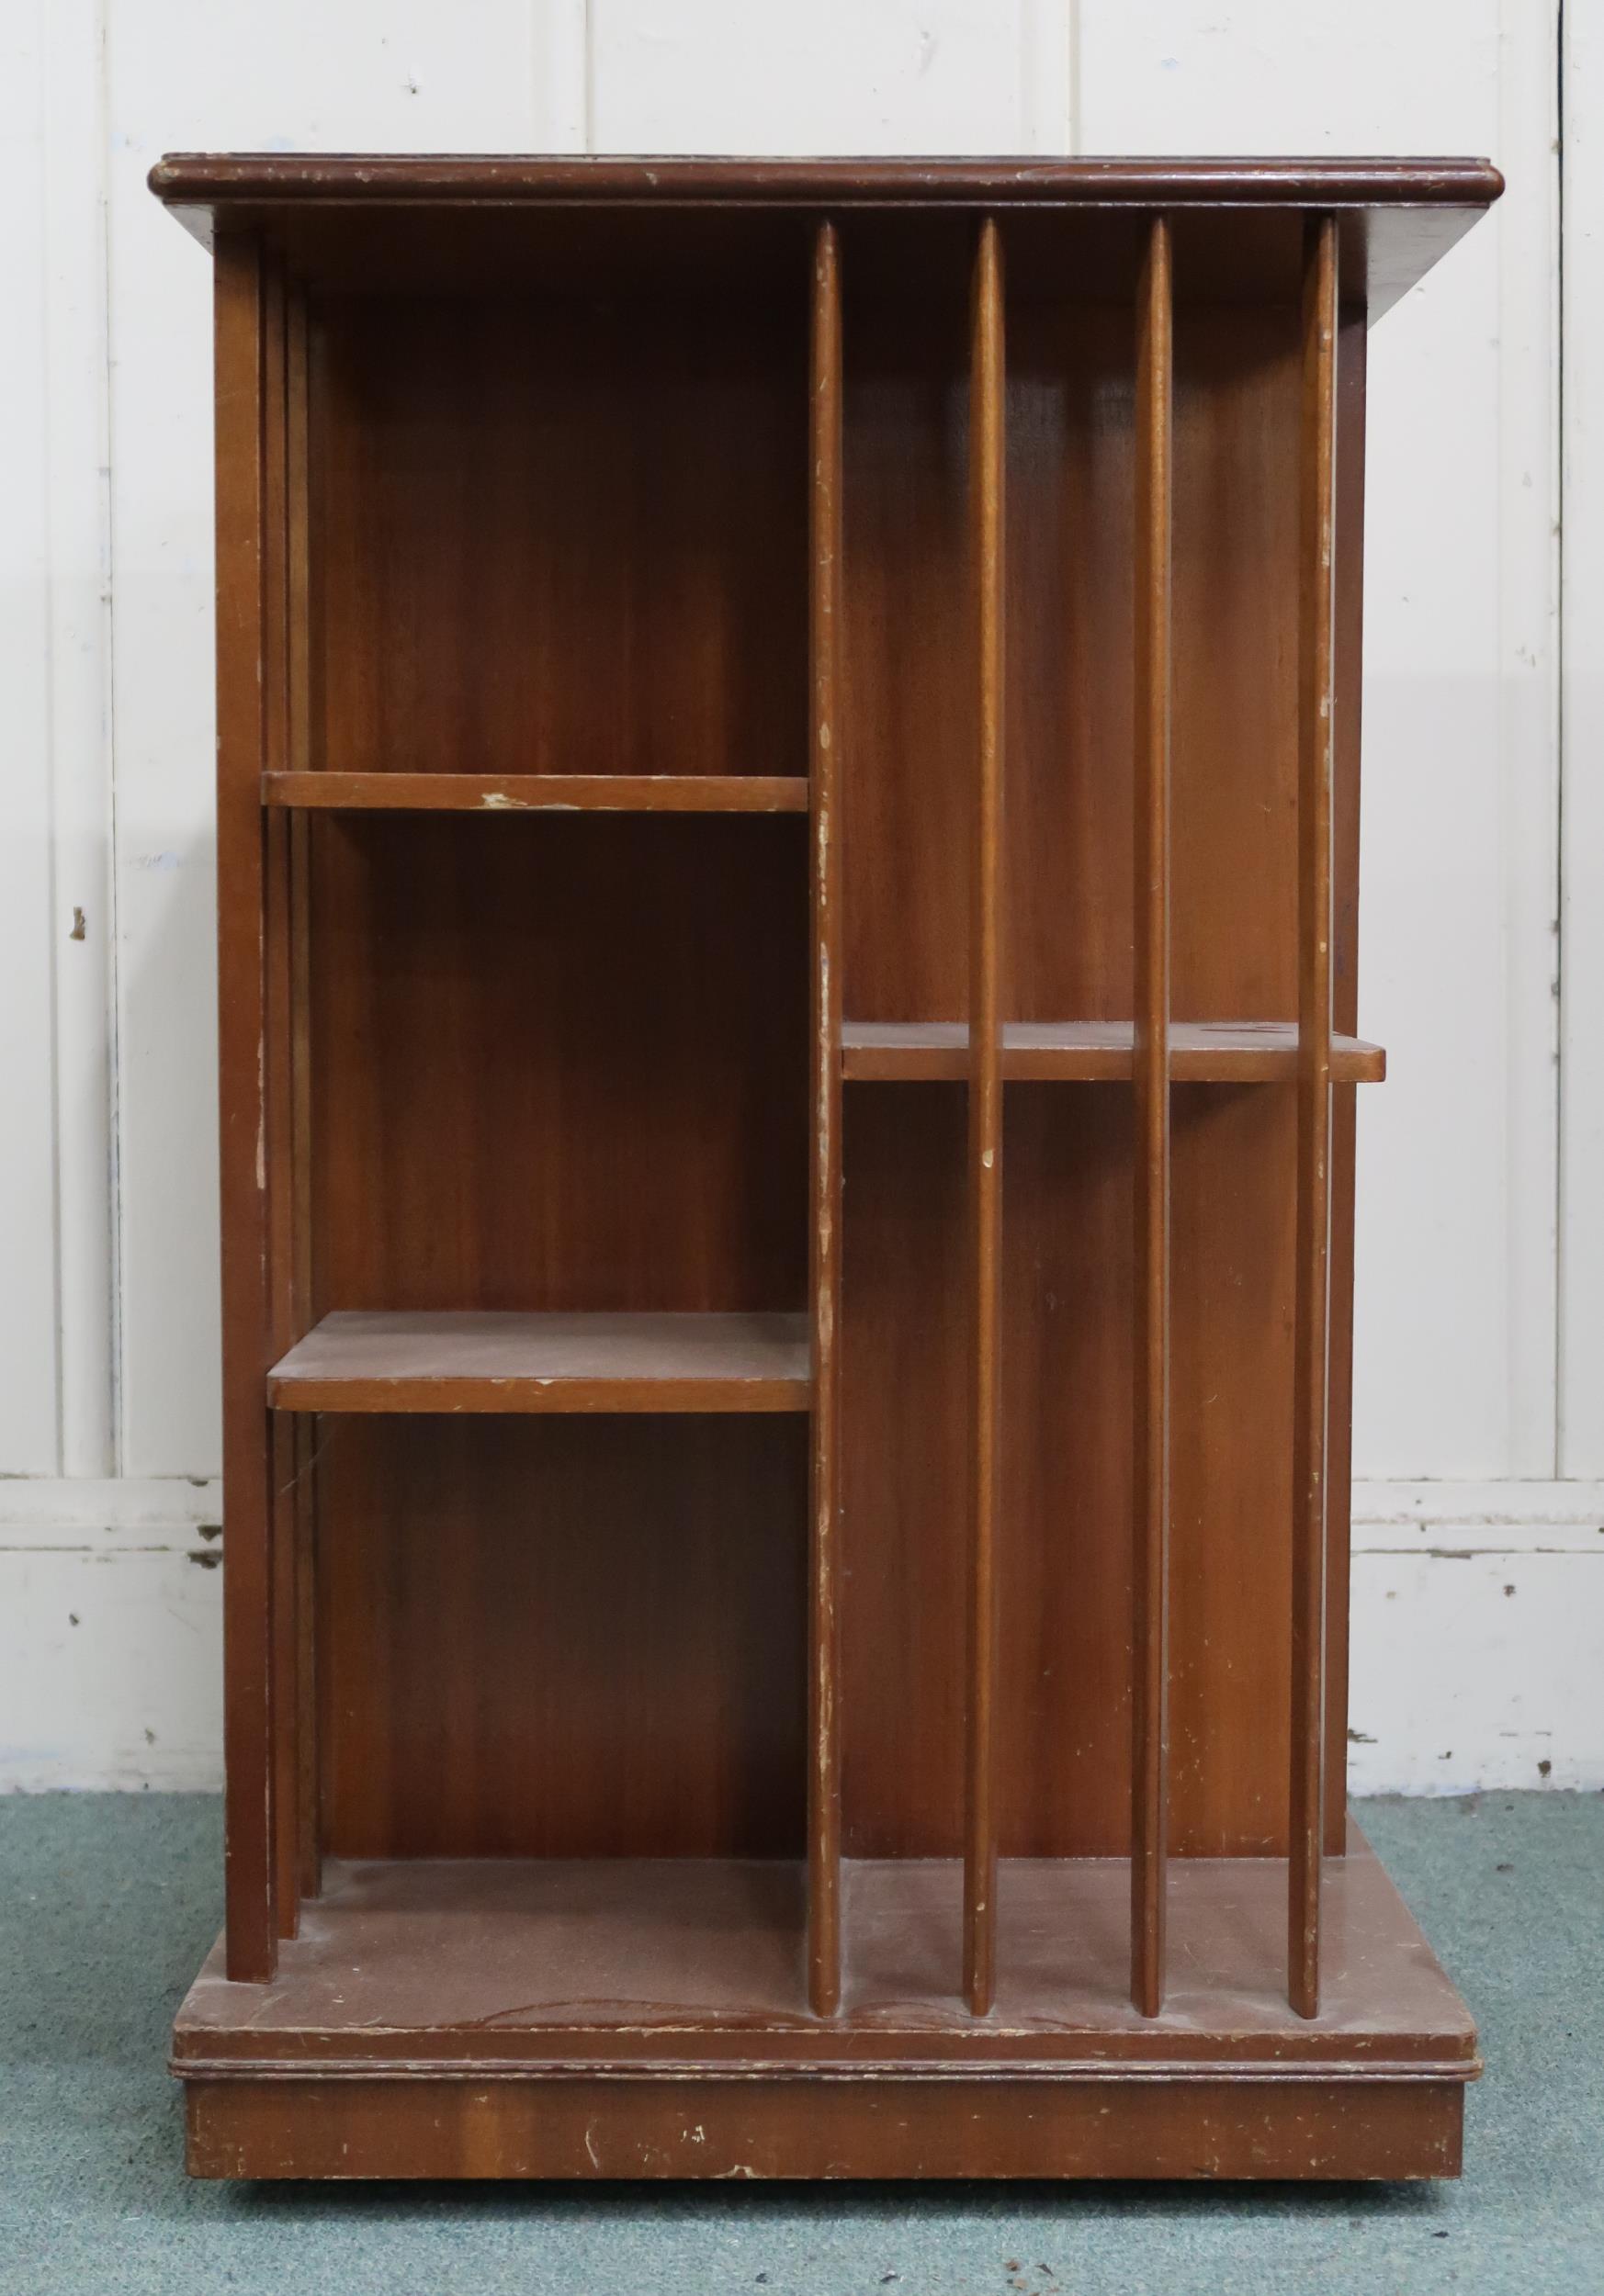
(243, 380)
(987, 463)
(825, 641)
(285, 1203)
(1150, 1076)
(1312, 1318)
(305, 1427)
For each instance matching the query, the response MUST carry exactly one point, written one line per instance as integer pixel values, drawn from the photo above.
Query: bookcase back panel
(907, 770)
(907, 778)
(563, 1638)
(1063, 1574)
(559, 1063)
(562, 534)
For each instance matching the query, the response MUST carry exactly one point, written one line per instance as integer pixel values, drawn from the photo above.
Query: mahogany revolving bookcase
(787, 837)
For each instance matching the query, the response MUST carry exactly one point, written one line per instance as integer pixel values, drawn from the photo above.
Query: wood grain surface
(988, 531)
(497, 1360)
(827, 540)
(1152, 709)
(1040, 1052)
(678, 1961)
(1312, 1277)
(537, 793)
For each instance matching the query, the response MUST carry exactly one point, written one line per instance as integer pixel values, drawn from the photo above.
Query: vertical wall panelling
(1528, 673)
(28, 1389)
(561, 74)
(1453, 1371)
(1483, 1222)
(83, 923)
(379, 74)
(1581, 951)
(834, 76)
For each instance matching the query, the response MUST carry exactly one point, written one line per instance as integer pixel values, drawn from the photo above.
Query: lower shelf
(632, 2018)
(502, 1362)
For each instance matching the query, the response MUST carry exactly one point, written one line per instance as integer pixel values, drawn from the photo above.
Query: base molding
(647, 2017)
(658, 2125)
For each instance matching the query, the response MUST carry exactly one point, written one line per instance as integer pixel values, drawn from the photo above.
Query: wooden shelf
(1096, 1051)
(503, 1362)
(538, 793)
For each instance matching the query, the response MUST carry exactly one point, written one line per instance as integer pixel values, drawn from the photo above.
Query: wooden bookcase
(787, 839)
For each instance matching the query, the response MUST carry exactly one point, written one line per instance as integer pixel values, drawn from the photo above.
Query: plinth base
(625, 2018)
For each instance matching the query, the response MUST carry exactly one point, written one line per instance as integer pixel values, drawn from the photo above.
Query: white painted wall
(1480, 1374)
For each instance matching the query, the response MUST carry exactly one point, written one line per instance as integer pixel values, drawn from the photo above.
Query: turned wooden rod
(1150, 1078)
(986, 467)
(245, 326)
(1311, 1353)
(281, 991)
(301, 656)
(825, 617)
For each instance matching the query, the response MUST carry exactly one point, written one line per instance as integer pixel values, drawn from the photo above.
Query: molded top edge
(217, 179)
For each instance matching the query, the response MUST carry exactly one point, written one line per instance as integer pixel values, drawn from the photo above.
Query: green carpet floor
(108, 1903)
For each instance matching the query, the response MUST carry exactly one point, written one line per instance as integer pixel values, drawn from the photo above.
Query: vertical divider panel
(825, 637)
(243, 386)
(1311, 1357)
(988, 479)
(1151, 1112)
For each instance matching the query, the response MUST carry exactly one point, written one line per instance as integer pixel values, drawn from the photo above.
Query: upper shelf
(1096, 1051)
(348, 217)
(538, 793)
(487, 1361)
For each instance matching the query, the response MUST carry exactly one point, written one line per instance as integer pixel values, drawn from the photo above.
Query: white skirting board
(1478, 1615)
(110, 1635)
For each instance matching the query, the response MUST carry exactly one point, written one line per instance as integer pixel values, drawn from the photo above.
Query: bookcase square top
(335, 215)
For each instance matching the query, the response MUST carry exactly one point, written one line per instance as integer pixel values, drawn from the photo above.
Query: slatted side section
(243, 386)
(286, 725)
(987, 458)
(1312, 1313)
(825, 637)
(1150, 1077)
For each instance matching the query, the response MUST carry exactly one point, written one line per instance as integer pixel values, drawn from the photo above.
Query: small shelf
(1096, 1051)
(505, 1362)
(538, 793)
